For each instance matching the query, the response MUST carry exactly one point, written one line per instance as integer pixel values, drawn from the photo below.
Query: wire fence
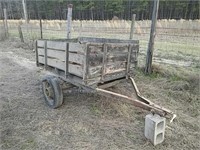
(177, 42)
(172, 28)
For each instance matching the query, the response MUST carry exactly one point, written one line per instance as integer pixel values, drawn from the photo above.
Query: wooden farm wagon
(91, 65)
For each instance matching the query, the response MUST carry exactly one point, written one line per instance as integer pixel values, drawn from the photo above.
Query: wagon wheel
(52, 91)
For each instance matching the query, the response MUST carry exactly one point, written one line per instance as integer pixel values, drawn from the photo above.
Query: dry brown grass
(88, 121)
(116, 24)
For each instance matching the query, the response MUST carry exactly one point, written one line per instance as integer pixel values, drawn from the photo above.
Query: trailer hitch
(141, 102)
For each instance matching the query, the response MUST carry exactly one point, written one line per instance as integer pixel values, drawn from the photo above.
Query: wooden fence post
(41, 34)
(5, 22)
(69, 20)
(80, 29)
(25, 11)
(20, 34)
(132, 26)
(148, 68)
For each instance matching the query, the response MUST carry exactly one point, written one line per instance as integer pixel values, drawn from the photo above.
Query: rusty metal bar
(142, 102)
(147, 100)
(135, 102)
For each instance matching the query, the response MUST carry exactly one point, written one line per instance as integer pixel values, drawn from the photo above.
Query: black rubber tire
(53, 84)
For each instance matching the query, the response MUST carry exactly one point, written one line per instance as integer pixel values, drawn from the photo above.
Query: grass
(180, 48)
(178, 85)
(95, 110)
(190, 49)
(120, 125)
(28, 144)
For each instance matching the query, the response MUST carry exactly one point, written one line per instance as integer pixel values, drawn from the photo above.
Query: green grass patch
(188, 49)
(95, 110)
(28, 144)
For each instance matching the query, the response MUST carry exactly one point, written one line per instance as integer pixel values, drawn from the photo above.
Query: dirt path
(83, 122)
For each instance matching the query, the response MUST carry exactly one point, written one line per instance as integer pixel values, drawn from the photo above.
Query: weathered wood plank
(97, 59)
(86, 62)
(110, 84)
(116, 48)
(56, 45)
(107, 77)
(73, 57)
(95, 48)
(103, 40)
(53, 53)
(76, 47)
(76, 69)
(103, 71)
(73, 68)
(134, 58)
(135, 47)
(52, 62)
(77, 58)
(116, 57)
(94, 71)
(40, 43)
(134, 55)
(115, 75)
(128, 61)
(67, 60)
(36, 52)
(45, 54)
(110, 68)
(115, 67)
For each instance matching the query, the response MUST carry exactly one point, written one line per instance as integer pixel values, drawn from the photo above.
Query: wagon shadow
(80, 99)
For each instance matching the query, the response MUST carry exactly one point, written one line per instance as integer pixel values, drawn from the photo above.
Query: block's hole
(160, 126)
(159, 138)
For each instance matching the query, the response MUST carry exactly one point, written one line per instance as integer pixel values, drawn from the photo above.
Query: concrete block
(154, 128)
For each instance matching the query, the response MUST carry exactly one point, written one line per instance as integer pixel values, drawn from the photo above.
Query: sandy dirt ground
(85, 121)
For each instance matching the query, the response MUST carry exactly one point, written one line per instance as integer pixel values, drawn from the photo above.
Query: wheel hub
(48, 91)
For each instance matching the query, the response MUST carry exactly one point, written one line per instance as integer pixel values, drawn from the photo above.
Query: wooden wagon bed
(92, 60)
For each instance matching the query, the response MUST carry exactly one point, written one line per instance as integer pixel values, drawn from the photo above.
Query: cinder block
(154, 128)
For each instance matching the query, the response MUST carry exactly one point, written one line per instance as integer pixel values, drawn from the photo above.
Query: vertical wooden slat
(36, 53)
(45, 54)
(86, 63)
(136, 56)
(128, 60)
(67, 59)
(104, 61)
